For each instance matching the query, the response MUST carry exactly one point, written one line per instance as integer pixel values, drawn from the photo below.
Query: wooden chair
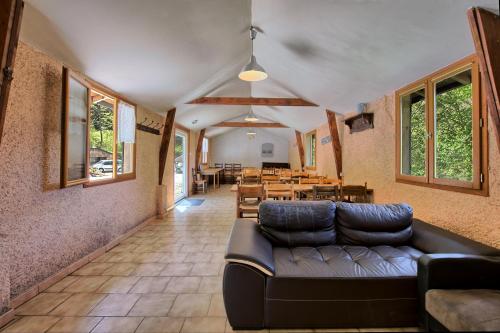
(280, 192)
(314, 181)
(267, 172)
(286, 175)
(228, 173)
(248, 200)
(198, 182)
(326, 193)
(354, 193)
(236, 171)
(270, 179)
(250, 176)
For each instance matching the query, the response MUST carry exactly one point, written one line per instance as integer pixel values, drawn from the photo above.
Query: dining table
(215, 173)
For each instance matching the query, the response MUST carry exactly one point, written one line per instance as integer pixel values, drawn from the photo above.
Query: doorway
(180, 165)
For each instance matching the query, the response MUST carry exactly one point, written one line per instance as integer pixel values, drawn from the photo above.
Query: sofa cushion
(465, 310)
(298, 223)
(345, 261)
(370, 224)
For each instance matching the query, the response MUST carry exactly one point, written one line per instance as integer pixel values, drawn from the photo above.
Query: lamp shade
(251, 117)
(252, 71)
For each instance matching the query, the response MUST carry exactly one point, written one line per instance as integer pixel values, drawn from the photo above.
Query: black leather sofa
(317, 264)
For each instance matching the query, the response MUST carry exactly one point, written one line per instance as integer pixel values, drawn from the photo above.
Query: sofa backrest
(371, 224)
(298, 223)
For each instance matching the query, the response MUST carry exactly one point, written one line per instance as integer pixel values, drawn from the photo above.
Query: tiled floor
(165, 278)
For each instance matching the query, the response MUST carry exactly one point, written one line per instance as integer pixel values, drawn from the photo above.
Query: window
(441, 131)
(99, 134)
(311, 149)
(75, 133)
(204, 151)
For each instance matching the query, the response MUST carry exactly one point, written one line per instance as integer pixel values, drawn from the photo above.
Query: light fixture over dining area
(252, 71)
(251, 117)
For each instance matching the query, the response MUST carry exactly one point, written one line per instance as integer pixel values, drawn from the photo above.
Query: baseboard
(54, 278)
(7, 317)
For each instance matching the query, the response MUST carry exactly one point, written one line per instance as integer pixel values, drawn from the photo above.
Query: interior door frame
(185, 133)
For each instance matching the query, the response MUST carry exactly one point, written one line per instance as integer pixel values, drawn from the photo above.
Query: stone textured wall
(43, 228)
(370, 156)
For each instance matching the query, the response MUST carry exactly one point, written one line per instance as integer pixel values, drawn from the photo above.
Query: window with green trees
(440, 125)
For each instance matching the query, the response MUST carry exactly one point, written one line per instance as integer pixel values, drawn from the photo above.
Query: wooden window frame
(309, 153)
(204, 154)
(67, 76)
(479, 183)
(93, 85)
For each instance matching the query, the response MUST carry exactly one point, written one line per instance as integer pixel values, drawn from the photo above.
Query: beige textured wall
(370, 156)
(44, 229)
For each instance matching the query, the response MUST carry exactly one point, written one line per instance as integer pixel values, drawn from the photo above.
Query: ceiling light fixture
(251, 133)
(251, 117)
(252, 71)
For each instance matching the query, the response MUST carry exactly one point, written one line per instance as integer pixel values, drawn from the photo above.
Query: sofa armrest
(248, 246)
(431, 239)
(458, 271)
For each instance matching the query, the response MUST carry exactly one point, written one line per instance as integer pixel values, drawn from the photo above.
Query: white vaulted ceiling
(335, 53)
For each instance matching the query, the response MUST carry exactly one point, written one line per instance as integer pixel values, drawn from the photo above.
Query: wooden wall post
(300, 147)
(337, 148)
(11, 12)
(485, 29)
(165, 142)
(198, 150)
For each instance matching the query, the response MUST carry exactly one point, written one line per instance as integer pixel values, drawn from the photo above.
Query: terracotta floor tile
(31, 324)
(118, 284)
(148, 269)
(86, 284)
(118, 325)
(42, 304)
(150, 285)
(190, 305)
(115, 305)
(152, 305)
(204, 325)
(60, 285)
(205, 269)
(120, 269)
(78, 305)
(217, 306)
(93, 268)
(210, 285)
(160, 325)
(75, 325)
(183, 284)
(177, 269)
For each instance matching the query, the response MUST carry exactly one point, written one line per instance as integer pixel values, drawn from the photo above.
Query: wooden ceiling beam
(252, 101)
(11, 12)
(485, 29)
(249, 124)
(300, 147)
(337, 148)
(198, 150)
(165, 142)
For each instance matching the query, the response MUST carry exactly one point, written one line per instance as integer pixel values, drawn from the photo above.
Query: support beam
(251, 101)
(337, 148)
(165, 142)
(300, 147)
(485, 29)
(11, 12)
(249, 124)
(198, 150)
